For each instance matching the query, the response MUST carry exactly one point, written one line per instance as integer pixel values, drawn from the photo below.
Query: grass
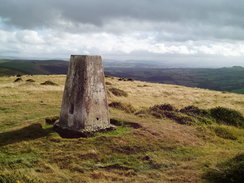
(228, 171)
(225, 133)
(228, 116)
(16, 177)
(141, 149)
(118, 92)
(121, 106)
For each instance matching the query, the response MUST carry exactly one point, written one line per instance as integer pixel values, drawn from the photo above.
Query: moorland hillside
(164, 133)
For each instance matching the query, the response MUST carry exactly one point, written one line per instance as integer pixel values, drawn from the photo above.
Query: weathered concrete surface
(84, 106)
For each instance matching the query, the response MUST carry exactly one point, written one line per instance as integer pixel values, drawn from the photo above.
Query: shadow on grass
(31, 132)
(125, 123)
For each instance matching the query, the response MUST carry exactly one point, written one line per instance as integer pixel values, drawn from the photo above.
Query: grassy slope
(178, 153)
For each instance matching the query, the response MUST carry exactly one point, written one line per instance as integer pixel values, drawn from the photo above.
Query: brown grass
(121, 106)
(118, 92)
(179, 96)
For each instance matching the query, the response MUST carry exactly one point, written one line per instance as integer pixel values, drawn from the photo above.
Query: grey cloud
(98, 13)
(31, 13)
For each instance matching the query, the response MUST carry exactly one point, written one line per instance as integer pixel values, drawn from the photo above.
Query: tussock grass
(224, 133)
(162, 107)
(125, 107)
(228, 116)
(192, 115)
(118, 92)
(193, 110)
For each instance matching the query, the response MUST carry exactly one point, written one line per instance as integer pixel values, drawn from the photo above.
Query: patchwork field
(150, 144)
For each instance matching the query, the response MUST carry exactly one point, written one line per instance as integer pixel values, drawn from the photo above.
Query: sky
(199, 31)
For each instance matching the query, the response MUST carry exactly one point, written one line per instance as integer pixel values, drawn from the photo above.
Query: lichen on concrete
(84, 105)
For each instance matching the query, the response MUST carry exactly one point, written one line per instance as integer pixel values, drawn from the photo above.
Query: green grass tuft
(224, 133)
(227, 116)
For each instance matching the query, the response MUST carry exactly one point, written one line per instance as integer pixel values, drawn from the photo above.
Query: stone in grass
(30, 80)
(18, 80)
(49, 83)
(108, 83)
(52, 120)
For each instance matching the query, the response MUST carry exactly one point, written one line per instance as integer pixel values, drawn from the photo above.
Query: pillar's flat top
(85, 55)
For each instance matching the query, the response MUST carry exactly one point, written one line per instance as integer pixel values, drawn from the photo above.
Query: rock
(52, 120)
(49, 83)
(30, 80)
(18, 80)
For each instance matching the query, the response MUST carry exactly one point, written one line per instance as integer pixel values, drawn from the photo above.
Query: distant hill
(18, 66)
(222, 79)
(8, 67)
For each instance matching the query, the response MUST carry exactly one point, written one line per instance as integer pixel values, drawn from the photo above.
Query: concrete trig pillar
(84, 106)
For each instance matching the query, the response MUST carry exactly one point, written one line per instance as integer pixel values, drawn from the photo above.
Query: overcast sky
(188, 30)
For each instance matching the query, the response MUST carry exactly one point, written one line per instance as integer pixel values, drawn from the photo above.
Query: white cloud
(29, 37)
(50, 43)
